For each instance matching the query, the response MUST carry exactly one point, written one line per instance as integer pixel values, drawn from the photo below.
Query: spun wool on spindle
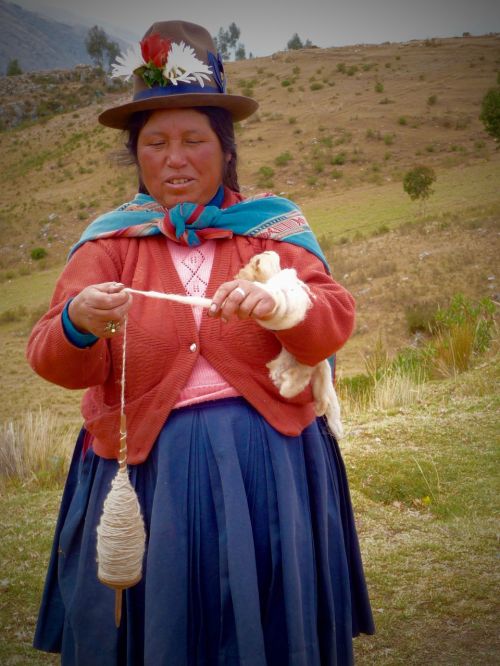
(121, 535)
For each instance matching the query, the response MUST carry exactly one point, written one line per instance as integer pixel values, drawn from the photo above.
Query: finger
(258, 305)
(221, 294)
(264, 308)
(248, 304)
(108, 286)
(233, 302)
(115, 287)
(104, 300)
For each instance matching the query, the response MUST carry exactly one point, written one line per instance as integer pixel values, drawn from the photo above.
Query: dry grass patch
(35, 449)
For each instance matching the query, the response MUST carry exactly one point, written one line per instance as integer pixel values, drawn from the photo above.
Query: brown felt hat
(178, 67)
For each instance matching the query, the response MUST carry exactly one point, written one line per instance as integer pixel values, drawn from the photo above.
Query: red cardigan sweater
(160, 337)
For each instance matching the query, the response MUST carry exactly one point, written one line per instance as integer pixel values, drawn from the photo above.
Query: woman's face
(180, 157)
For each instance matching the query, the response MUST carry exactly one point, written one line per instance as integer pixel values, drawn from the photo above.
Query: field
(423, 469)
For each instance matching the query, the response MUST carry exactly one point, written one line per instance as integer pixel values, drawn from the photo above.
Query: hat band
(179, 89)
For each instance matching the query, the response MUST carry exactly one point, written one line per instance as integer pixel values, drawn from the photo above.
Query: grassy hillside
(322, 132)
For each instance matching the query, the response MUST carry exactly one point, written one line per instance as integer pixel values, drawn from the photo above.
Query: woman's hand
(242, 299)
(100, 309)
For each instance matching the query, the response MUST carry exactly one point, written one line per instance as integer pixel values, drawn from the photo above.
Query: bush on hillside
(490, 112)
(417, 182)
(13, 68)
(38, 253)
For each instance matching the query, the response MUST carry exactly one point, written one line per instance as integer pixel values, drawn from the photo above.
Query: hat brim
(239, 106)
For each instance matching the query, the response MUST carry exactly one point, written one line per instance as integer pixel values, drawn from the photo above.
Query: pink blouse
(194, 265)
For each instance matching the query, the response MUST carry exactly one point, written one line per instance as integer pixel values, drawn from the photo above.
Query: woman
(252, 556)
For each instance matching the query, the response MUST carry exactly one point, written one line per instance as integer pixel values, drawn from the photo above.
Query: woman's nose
(176, 156)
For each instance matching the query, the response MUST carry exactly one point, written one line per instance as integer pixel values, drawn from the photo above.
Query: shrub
(417, 182)
(490, 112)
(316, 85)
(13, 68)
(265, 176)
(462, 331)
(16, 314)
(339, 159)
(379, 87)
(38, 253)
(420, 317)
(295, 42)
(460, 311)
(283, 159)
(432, 100)
(326, 242)
(402, 120)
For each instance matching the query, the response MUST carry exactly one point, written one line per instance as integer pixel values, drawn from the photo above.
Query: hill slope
(38, 42)
(323, 132)
(347, 153)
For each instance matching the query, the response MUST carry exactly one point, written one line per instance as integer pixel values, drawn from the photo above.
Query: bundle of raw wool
(293, 299)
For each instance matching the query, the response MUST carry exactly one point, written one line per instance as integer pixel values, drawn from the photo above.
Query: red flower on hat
(155, 49)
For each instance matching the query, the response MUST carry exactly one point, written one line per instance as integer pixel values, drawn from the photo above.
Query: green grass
(364, 209)
(29, 290)
(425, 487)
(27, 528)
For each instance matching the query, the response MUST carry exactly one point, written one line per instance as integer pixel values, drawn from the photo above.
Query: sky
(267, 25)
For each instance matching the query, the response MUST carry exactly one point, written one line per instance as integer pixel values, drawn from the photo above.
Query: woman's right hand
(100, 309)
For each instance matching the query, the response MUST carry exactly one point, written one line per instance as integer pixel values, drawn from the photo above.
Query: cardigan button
(193, 347)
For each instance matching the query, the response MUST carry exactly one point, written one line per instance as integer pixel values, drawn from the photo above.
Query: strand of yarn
(187, 300)
(121, 535)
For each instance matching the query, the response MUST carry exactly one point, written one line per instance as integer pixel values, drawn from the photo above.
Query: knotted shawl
(263, 216)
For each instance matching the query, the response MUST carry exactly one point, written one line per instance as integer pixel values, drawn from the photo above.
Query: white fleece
(292, 298)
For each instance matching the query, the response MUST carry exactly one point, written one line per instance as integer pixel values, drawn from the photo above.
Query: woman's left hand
(243, 299)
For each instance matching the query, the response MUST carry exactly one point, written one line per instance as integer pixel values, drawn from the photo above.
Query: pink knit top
(194, 265)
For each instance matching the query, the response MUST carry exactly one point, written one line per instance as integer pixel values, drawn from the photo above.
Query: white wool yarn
(120, 535)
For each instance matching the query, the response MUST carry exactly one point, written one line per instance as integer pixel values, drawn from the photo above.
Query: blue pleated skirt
(252, 556)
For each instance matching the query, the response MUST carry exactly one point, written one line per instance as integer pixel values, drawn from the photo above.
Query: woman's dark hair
(221, 123)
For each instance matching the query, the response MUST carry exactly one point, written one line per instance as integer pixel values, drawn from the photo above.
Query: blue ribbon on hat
(179, 89)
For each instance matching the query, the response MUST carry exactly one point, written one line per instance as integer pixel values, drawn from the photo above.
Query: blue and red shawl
(263, 216)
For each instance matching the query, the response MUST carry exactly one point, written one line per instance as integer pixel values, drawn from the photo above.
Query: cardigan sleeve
(329, 321)
(50, 352)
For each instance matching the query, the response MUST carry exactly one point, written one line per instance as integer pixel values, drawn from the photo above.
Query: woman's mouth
(178, 181)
